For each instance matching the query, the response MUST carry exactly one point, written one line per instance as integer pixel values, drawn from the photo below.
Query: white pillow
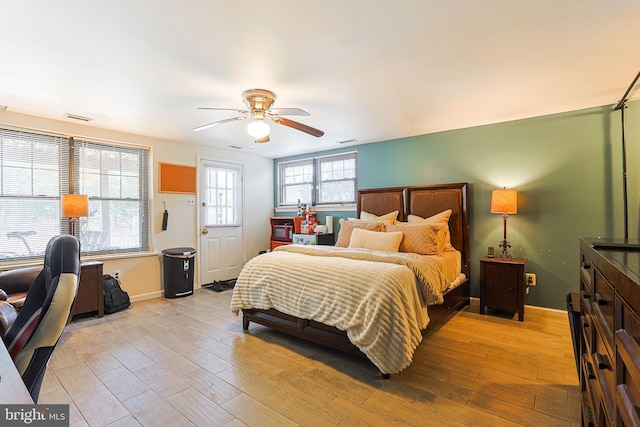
(387, 218)
(375, 240)
(347, 227)
(439, 218)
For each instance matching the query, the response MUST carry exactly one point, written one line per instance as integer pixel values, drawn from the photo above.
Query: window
(222, 193)
(115, 179)
(35, 169)
(322, 180)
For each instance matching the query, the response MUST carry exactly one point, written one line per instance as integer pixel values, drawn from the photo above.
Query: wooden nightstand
(502, 285)
(314, 239)
(90, 295)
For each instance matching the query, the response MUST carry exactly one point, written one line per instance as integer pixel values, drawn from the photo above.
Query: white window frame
(317, 180)
(64, 168)
(222, 203)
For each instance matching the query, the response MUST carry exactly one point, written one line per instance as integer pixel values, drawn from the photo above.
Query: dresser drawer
(590, 405)
(628, 361)
(603, 366)
(586, 271)
(603, 307)
(627, 414)
(587, 333)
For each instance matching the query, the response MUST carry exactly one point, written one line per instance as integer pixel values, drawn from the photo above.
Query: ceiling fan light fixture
(258, 129)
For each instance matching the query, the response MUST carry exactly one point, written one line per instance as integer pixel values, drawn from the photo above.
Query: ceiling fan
(258, 102)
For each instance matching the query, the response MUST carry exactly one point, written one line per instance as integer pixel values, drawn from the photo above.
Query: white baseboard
(143, 297)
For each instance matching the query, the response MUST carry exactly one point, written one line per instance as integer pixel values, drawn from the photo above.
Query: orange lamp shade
(75, 205)
(504, 201)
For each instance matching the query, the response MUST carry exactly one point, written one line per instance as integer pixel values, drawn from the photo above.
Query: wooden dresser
(610, 323)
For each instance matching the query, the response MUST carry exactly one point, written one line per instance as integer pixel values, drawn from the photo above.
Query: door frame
(200, 159)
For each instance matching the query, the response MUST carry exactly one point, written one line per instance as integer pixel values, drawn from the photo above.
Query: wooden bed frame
(423, 201)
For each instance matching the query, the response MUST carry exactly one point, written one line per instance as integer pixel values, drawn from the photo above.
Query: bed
(417, 306)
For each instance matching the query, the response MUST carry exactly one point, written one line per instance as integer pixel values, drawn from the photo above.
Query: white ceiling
(368, 70)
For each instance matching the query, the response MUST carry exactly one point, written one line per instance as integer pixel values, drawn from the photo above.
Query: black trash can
(178, 271)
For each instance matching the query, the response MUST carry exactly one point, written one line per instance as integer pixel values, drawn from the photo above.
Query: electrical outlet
(116, 274)
(191, 201)
(531, 279)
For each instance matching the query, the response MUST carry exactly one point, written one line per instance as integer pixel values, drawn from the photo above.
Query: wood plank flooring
(175, 362)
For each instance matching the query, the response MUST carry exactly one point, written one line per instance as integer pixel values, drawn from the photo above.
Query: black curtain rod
(624, 97)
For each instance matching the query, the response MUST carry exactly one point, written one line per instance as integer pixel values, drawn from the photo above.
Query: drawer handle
(585, 295)
(586, 265)
(590, 373)
(601, 361)
(600, 300)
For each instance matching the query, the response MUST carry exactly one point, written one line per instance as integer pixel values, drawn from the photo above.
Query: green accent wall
(566, 167)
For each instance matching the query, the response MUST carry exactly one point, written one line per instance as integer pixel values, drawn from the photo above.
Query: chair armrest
(18, 280)
(8, 315)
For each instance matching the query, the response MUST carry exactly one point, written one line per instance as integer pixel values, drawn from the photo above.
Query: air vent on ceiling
(346, 141)
(235, 146)
(77, 117)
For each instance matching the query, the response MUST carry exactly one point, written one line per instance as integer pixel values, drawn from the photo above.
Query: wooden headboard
(424, 201)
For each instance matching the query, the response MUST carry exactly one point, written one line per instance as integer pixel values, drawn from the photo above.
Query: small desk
(314, 239)
(12, 388)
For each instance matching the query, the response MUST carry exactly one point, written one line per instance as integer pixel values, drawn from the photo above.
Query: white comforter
(378, 298)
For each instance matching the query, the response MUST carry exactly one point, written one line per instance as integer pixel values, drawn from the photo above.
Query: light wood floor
(174, 362)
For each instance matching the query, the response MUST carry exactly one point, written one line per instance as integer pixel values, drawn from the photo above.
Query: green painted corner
(566, 167)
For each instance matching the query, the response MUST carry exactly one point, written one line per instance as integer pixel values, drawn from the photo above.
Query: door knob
(205, 231)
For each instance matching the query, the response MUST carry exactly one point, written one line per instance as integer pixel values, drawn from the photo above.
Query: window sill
(37, 262)
(322, 208)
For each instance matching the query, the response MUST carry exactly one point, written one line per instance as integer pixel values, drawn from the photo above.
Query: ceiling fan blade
(289, 112)
(219, 122)
(299, 126)
(224, 109)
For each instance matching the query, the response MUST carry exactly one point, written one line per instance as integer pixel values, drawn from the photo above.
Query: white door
(221, 213)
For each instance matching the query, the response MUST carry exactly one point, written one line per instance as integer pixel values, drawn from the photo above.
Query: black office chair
(40, 322)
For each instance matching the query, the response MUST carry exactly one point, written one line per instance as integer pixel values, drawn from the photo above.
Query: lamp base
(505, 245)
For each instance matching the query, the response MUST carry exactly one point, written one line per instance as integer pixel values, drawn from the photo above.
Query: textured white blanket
(378, 298)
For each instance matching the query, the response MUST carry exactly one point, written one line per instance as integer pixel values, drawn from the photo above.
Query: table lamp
(74, 206)
(505, 202)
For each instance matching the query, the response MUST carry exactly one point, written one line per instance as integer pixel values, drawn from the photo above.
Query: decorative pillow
(423, 239)
(440, 218)
(347, 227)
(375, 240)
(388, 218)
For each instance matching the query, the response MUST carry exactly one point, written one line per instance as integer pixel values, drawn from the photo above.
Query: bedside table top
(504, 261)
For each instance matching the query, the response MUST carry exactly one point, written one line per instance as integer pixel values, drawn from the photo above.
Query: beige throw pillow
(388, 218)
(375, 240)
(420, 238)
(347, 227)
(439, 218)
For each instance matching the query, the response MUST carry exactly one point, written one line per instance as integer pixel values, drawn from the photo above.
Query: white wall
(141, 276)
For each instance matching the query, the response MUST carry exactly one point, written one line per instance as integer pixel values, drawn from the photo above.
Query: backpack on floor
(115, 298)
